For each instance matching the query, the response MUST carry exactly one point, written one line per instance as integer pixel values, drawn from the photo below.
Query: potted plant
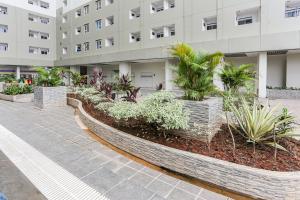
(195, 74)
(50, 90)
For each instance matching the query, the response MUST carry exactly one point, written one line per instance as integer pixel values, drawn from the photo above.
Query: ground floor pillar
(169, 85)
(18, 72)
(125, 69)
(262, 64)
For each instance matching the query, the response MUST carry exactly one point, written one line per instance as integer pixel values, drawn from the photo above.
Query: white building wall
(293, 71)
(276, 71)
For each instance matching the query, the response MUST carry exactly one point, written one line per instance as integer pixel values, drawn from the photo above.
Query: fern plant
(234, 77)
(195, 71)
(52, 77)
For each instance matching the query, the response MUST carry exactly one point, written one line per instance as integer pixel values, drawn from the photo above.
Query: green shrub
(260, 124)
(77, 78)
(195, 72)
(104, 106)
(52, 77)
(16, 89)
(7, 78)
(234, 77)
(124, 110)
(164, 111)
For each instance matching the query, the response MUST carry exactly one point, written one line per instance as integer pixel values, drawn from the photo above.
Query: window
(98, 24)
(33, 34)
(109, 2)
(44, 51)
(3, 47)
(209, 23)
(98, 44)
(44, 4)
(64, 50)
(135, 37)
(86, 46)
(33, 2)
(64, 35)
(162, 5)
(33, 18)
(44, 36)
(245, 20)
(44, 20)
(109, 21)
(292, 9)
(64, 19)
(78, 30)
(78, 48)
(164, 31)
(3, 28)
(78, 13)
(33, 50)
(135, 13)
(98, 4)
(86, 9)
(109, 42)
(248, 16)
(3, 10)
(86, 28)
(65, 2)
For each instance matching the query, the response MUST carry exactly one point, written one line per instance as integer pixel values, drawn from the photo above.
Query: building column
(262, 65)
(169, 86)
(18, 72)
(217, 79)
(125, 69)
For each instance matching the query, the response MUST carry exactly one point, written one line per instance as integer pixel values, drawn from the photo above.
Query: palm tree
(234, 77)
(195, 72)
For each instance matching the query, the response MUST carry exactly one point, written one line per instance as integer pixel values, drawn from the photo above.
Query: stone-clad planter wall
(283, 94)
(2, 84)
(256, 183)
(47, 97)
(208, 114)
(22, 98)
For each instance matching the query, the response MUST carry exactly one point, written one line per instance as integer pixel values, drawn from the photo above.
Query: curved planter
(249, 181)
(21, 98)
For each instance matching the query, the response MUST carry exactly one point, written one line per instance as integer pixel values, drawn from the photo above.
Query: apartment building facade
(134, 36)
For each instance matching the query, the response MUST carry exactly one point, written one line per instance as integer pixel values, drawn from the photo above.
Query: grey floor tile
(208, 195)
(189, 187)
(157, 197)
(114, 165)
(126, 172)
(151, 172)
(102, 180)
(178, 194)
(135, 165)
(141, 179)
(129, 191)
(168, 179)
(160, 188)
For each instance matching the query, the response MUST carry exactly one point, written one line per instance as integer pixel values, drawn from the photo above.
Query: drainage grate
(53, 181)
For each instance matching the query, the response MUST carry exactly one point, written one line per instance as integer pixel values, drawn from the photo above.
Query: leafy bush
(104, 106)
(164, 111)
(16, 89)
(124, 111)
(7, 78)
(195, 72)
(77, 78)
(260, 125)
(235, 77)
(52, 77)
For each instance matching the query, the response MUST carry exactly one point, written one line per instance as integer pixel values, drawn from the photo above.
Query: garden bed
(220, 146)
(251, 181)
(21, 98)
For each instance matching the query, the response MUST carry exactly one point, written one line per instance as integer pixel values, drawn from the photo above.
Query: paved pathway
(57, 135)
(14, 184)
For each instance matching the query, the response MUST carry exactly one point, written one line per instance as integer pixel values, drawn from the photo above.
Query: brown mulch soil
(220, 147)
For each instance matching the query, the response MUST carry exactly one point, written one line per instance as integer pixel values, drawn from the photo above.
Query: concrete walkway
(14, 184)
(57, 136)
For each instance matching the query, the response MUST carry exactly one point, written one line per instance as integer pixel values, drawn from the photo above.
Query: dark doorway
(83, 70)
